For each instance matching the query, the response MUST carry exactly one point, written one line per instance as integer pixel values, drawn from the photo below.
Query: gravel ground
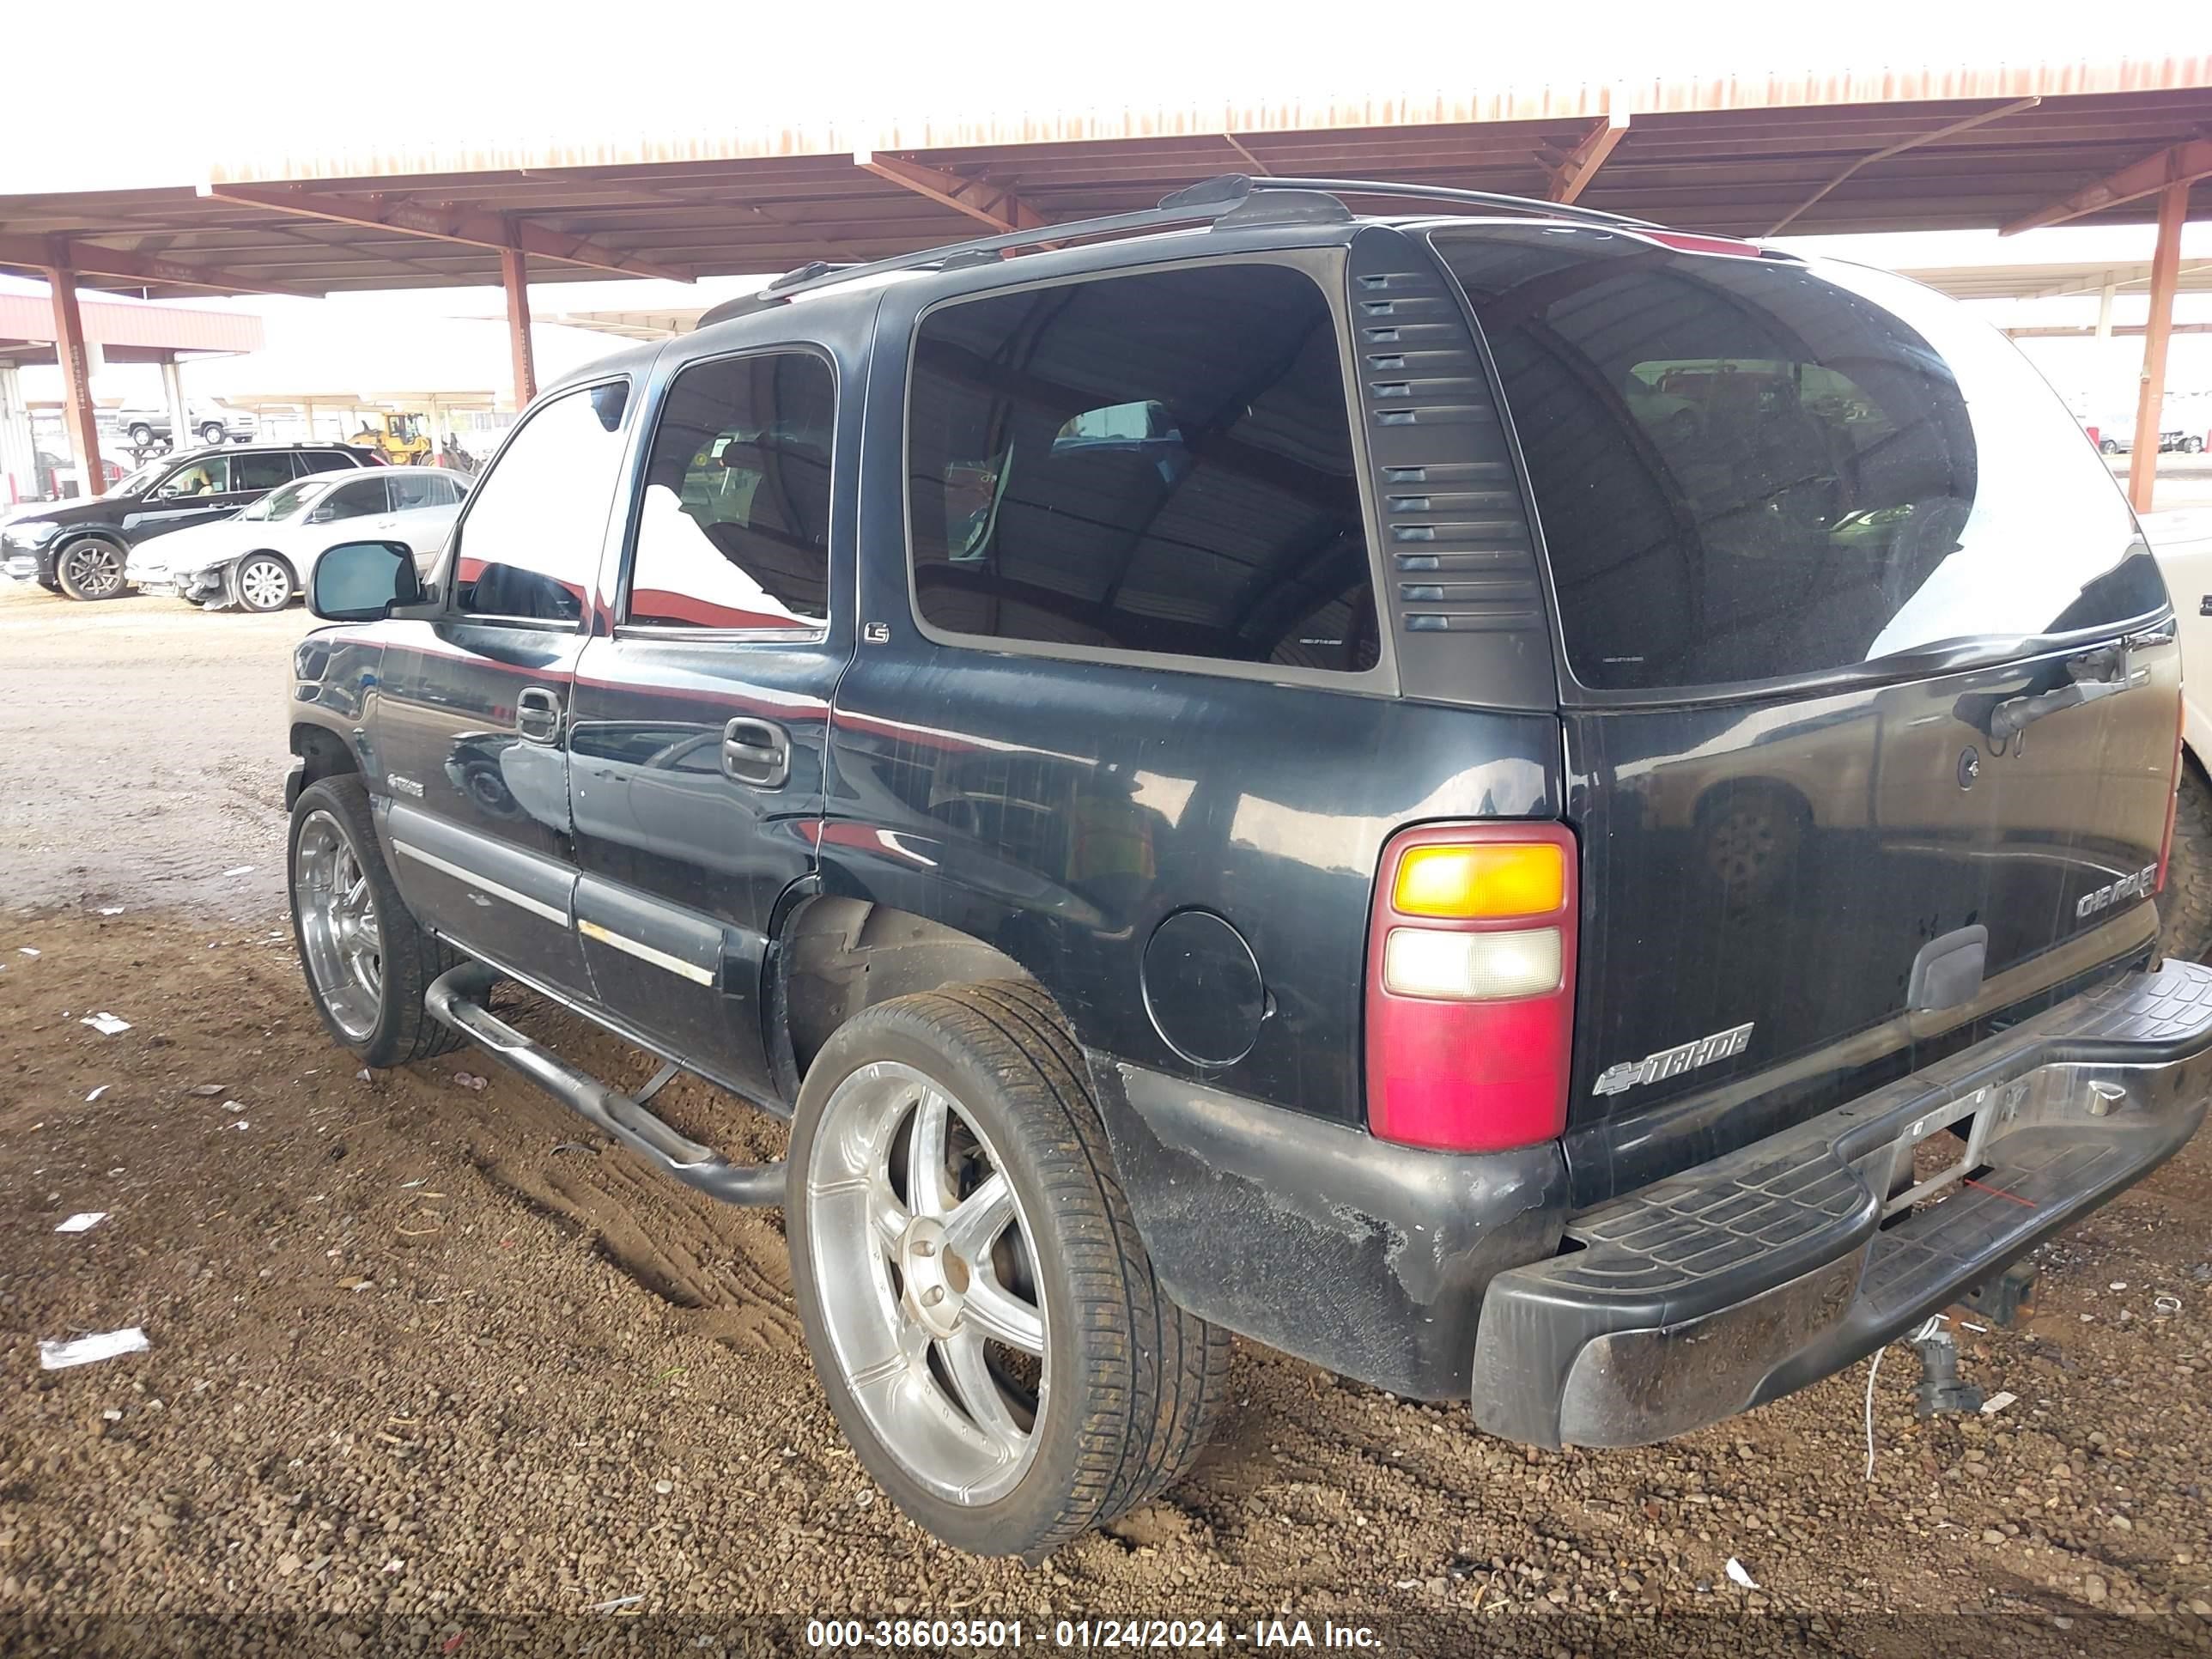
(434, 1368)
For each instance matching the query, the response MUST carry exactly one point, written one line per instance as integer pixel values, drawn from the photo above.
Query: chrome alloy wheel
(926, 1276)
(265, 584)
(338, 931)
(94, 568)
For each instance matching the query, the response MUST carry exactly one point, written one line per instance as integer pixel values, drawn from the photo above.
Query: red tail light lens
(1471, 986)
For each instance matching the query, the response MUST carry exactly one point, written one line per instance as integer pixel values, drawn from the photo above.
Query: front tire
(979, 1307)
(367, 960)
(141, 436)
(90, 569)
(262, 582)
(212, 433)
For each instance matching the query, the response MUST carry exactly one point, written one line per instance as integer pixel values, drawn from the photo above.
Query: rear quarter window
(1155, 462)
(1751, 470)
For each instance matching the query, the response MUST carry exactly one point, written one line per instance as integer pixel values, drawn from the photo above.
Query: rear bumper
(1768, 1268)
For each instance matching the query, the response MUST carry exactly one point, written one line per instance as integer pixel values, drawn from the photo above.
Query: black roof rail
(1450, 193)
(1228, 199)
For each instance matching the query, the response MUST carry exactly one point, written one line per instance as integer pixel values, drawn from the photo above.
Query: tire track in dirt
(723, 1272)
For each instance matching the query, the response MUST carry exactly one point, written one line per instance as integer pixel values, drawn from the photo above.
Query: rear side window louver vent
(1458, 557)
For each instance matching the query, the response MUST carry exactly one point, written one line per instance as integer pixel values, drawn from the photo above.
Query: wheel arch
(326, 754)
(832, 957)
(91, 532)
(291, 568)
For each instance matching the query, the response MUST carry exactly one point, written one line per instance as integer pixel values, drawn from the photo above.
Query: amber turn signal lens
(1490, 880)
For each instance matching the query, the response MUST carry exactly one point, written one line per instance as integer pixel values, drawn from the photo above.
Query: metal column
(2157, 330)
(69, 351)
(19, 459)
(514, 270)
(181, 435)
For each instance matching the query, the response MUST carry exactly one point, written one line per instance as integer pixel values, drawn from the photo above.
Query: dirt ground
(433, 1368)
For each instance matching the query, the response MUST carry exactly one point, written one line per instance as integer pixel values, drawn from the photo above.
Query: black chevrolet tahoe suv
(1533, 809)
(82, 548)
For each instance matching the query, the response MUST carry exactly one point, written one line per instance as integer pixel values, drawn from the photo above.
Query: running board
(457, 997)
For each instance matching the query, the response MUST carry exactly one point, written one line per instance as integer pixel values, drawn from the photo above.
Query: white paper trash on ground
(106, 1024)
(82, 1222)
(86, 1350)
(1740, 1575)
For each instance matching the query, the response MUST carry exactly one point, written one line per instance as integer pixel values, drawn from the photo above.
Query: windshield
(138, 479)
(282, 503)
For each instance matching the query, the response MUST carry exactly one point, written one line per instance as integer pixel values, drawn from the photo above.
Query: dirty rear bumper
(1316, 1238)
(1769, 1268)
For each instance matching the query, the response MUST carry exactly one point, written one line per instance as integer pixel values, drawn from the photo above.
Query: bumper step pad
(1769, 1268)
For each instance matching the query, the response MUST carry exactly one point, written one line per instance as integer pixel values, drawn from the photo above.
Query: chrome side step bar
(458, 997)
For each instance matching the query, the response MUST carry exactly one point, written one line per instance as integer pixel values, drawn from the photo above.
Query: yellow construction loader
(401, 437)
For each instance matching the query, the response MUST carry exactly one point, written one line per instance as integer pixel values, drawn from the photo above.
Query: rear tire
(2184, 909)
(373, 1006)
(1121, 1397)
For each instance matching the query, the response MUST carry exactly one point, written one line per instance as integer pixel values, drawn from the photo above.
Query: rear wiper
(2105, 671)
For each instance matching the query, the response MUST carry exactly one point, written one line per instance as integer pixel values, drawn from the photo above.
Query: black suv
(1533, 809)
(81, 548)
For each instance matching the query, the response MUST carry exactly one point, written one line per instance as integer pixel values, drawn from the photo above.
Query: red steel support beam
(89, 259)
(992, 205)
(76, 376)
(2183, 164)
(514, 271)
(445, 222)
(2158, 329)
(1572, 175)
(1899, 148)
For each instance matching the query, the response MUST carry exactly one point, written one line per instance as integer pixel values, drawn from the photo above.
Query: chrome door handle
(537, 716)
(755, 752)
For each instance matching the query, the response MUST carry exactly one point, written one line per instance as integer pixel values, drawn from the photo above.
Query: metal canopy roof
(1928, 149)
(2053, 279)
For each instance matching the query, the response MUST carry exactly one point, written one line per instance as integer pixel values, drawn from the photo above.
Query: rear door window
(1750, 470)
(734, 523)
(410, 490)
(325, 460)
(361, 499)
(1157, 463)
(260, 471)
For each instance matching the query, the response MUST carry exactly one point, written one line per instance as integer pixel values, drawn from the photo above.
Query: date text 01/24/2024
(1088, 1633)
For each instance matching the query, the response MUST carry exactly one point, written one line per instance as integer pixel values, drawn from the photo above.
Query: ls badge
(1672, 1062)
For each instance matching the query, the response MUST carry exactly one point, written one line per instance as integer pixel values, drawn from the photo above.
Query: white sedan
(261, 558)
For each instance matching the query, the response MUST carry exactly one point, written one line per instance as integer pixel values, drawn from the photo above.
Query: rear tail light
(2173, 795)
(1470, 985)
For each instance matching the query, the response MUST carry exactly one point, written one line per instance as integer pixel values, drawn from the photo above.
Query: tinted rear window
(1747, 469)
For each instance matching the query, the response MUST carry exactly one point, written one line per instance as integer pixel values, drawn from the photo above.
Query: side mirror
(363, 581)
